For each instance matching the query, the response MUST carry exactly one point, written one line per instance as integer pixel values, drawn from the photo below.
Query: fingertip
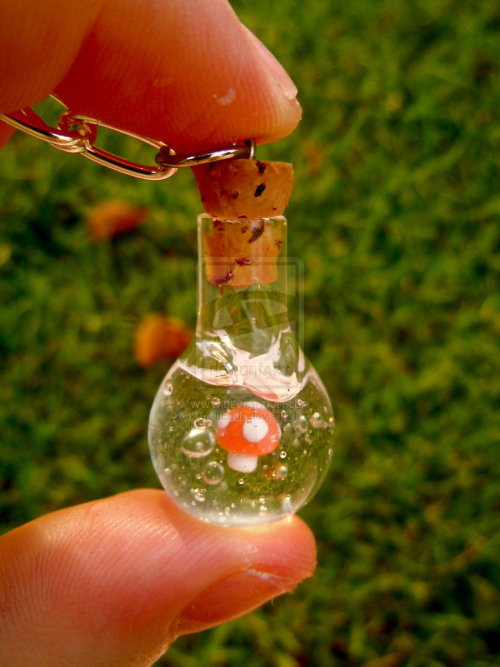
(137, 571)
(188, 74)
(285, 548)
(273, 66)
(39, 41)
(259, 563)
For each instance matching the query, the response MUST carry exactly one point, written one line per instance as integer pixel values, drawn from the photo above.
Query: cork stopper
(243, 245)
(242, 252)
(250, 189)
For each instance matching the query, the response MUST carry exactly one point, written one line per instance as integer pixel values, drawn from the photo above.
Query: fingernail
(273, 66)
(230, 597)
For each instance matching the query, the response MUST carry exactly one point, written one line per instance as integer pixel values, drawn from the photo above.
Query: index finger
(183, 71)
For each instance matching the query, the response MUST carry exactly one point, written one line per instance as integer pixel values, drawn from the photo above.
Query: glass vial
(241, 428)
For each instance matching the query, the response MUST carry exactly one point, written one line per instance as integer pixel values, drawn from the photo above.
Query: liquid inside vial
(240, 453)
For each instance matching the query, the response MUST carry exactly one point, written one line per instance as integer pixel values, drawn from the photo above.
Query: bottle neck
(242, 280)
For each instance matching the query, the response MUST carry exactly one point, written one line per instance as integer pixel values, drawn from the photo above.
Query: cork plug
(241, 195)
(242, 252)
(250, 189)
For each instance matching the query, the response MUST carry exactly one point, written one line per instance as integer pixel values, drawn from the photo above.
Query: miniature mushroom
(247, 432)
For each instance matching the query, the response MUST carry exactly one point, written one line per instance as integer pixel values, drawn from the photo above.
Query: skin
(115, 581)
(183, 71)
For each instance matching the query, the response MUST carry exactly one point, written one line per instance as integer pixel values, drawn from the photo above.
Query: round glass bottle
(241, 428)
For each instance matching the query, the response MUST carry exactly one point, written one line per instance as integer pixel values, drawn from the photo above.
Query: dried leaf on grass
(114, 217)
(158, 338)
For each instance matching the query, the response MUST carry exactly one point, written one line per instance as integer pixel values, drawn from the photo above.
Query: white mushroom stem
(241, 462)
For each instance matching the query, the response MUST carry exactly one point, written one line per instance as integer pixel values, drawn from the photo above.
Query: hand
(113, 582)
(183, 71)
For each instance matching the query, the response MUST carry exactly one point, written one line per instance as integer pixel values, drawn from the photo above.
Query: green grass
(394, 216)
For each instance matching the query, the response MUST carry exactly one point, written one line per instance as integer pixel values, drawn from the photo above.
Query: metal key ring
(77, 134)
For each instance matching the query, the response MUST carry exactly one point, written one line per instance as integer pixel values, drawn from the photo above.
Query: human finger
(183, 71)
(115, 581)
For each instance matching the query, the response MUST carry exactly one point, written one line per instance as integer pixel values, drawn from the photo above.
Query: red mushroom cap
(248, 429)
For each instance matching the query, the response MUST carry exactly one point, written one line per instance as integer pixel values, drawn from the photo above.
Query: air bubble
(278, 472)
(168, 389)
(301, 424)
(201, 422)
(213, 473)
(215, 401)
(198, 443)
(317, 421)
(283, 455)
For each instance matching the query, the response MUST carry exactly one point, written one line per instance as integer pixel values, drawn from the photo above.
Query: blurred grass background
(394, 216)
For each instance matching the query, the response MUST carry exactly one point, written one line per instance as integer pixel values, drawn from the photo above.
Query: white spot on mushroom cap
(223, 421)
(255, 429)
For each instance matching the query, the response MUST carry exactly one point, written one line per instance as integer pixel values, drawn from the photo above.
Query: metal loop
(28, 121)
(78, 134)
(246, 151)
(88, 129)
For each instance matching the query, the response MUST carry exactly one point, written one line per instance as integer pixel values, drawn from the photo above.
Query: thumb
(183, 71)
(113, 582)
